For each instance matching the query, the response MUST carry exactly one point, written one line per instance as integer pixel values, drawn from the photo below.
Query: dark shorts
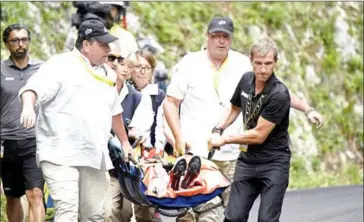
(19, 170)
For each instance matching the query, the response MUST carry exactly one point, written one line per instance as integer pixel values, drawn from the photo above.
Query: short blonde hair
(263, 46)
(131, 58)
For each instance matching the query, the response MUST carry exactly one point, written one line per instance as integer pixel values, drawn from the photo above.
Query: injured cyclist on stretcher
(187, 176)
(190, 176)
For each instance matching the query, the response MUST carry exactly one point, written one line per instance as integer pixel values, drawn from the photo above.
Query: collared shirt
(202, 104)
(12, 79)
(273, 104)
(143, 115)
(76, 111)
(149, 91)
(160, 129)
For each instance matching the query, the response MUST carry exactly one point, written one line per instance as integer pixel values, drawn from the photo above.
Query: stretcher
(134, 177)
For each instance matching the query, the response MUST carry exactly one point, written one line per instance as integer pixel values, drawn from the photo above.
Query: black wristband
(218, 130)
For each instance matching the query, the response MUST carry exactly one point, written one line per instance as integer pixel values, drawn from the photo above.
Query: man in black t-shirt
(263, 168)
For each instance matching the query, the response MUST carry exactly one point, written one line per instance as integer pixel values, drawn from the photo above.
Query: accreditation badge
(243, 148)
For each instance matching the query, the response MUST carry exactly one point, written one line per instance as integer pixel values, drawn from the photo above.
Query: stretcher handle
(211, 154)
(168, 213)
(136, 142)
(130, 157)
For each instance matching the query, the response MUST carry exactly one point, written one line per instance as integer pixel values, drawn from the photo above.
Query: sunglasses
(111, 58)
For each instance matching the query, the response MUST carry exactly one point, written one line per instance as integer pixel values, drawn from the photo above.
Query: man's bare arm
(232, 113)
(171, 112)
(170, 107)
(119, 130)
(297, 103)
(28, 116)
(312, 115)
(28, 98)
(256, 135)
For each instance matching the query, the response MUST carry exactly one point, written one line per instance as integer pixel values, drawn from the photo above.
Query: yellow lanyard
(216, 74)
(93, 74)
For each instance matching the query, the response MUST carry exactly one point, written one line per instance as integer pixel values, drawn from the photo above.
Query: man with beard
(19, 171)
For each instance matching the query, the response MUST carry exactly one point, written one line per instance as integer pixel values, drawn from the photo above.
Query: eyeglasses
(111, 58)
(17, 41)
(139, 68)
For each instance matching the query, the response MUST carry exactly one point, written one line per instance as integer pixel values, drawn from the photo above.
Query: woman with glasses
(138, 118)
(137, 114)
(142, 79)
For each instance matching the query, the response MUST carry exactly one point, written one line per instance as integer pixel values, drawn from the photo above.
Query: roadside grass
(350, 174)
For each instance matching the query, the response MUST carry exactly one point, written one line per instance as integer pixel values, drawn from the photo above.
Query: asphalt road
(333, 204)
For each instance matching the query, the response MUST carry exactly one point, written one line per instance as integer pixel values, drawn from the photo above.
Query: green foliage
(275, 15)
(350, 174)
(341, 85)
(340, 81)
(46, 21)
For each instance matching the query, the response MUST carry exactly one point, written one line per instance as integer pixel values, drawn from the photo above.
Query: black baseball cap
(222, 24)
(95, 29)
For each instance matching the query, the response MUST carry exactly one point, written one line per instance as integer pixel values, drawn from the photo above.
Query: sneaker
(177, 172)
(193, 170)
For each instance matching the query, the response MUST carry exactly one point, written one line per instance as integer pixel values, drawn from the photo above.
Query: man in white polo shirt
(78, 107)
(202, 85)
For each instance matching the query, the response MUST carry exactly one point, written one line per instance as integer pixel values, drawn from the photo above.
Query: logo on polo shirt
(9, 78)
(244, 94)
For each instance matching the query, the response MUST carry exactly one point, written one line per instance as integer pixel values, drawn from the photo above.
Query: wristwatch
(218, 130)
(308, 111)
